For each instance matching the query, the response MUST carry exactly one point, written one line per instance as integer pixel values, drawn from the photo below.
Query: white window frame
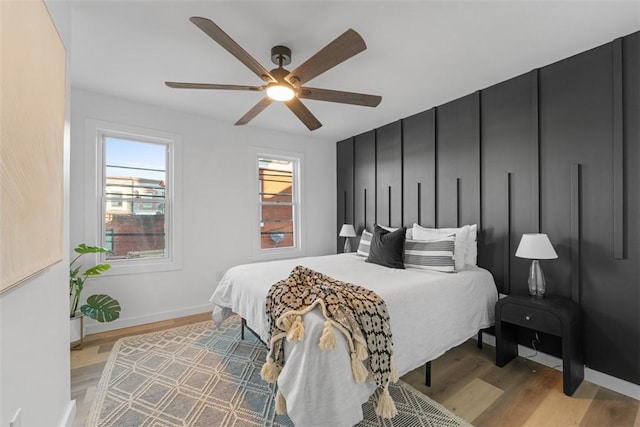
(297, 249)
(95, 131)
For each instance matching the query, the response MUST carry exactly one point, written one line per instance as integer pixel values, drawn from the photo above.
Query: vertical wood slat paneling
(507, 242)
(419, 198)
(575, 232)
(435, 166)
(390, 204)
(478, 148)
(458, 200)
(364, 211)
(364, 181)
(344, 214)
(535, 150)
(618, 153)
(345, 193)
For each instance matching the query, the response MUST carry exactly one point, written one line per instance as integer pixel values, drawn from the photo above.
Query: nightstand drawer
(532, 318)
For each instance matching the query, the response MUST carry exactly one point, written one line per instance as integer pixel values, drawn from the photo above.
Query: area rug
(204, 375)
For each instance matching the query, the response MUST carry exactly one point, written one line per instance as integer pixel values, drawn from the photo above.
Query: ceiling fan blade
(339, 96)
(180, 85)
(257, 109)
(303, 113)
(344, 47)
(223, 39)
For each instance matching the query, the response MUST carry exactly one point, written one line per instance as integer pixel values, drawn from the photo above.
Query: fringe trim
(386, 408)
(357, 367)
(296, 331)
(328, 338)
(361, 350)
(270, 371)
(281, 404)
(286, 322)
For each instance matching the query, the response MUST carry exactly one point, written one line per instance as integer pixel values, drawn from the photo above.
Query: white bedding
(430, 312)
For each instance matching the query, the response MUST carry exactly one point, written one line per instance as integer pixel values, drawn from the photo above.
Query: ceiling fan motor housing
(281, 55)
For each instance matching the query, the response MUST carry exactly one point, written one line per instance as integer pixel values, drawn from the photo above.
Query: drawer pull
(527, 317)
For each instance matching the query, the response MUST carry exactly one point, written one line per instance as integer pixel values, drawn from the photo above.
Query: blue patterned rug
(203, 375)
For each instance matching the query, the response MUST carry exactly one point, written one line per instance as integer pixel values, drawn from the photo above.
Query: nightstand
(553, 315)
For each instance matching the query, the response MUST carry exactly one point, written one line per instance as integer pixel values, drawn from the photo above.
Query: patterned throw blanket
(360, 314)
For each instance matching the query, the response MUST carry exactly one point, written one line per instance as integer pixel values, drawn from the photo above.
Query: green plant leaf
(102, 308)
(84, 249)
(97, 269)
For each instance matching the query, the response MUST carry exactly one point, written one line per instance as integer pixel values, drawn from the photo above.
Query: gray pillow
(387, 248)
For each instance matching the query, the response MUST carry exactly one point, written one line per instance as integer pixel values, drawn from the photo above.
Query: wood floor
(465, 380)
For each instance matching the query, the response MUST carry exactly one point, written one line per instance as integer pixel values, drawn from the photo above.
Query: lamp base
(537, 285)
(347, 245)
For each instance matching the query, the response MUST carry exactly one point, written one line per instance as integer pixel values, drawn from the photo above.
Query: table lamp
(536, 246)
(347, 231)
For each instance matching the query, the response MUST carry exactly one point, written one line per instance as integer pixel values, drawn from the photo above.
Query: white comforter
(430, 312)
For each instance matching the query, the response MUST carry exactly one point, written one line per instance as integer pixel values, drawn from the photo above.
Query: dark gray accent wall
(556, 150)
(345, 187)
(389, 175)
(419, 171)
(507, 177)
(364, 181)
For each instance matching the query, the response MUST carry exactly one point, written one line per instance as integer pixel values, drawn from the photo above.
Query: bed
(430, 312)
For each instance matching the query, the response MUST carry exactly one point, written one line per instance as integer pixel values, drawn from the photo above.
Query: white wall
(217, 206)
(34, 324)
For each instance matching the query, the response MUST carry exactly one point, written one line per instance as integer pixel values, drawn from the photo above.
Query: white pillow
(462, 235)
(433, 254)
(408, 236)
(365, 243)
(471, 257)
(470, 245)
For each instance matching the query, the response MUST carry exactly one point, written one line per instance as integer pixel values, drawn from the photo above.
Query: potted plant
(102, 308)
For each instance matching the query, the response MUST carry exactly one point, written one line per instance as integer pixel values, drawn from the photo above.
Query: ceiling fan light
(279, 92)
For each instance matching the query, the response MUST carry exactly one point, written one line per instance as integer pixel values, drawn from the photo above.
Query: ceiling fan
(282, 84)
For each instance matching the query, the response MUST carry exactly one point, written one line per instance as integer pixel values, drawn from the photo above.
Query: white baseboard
(95, 327)
(596, 377)
(69, 415)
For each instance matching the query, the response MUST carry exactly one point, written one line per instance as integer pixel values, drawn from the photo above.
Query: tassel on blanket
(269, 371)
(386, 408)
(285, 323)
(328, 338)
(358, 369)
(296, 332)
(281, 404)
(361, 350)
(394, 376)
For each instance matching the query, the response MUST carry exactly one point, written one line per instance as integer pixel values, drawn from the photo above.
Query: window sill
(142, 267)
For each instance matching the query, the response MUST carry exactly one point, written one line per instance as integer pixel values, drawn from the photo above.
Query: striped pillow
(365, 243)
(433, 255)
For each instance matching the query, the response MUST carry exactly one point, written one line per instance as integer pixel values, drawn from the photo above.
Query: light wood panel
(464, 379)
(32, 102)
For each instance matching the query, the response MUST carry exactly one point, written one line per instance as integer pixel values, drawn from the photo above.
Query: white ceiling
(420, 53)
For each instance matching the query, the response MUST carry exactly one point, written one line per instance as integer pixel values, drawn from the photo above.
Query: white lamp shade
(535, 246)
(347, 230)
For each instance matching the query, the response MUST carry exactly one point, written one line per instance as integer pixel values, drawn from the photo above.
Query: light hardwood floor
(465, 380)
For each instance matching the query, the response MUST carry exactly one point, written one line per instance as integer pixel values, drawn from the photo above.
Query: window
(138, 209)
(278, 204)
(134, 197)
